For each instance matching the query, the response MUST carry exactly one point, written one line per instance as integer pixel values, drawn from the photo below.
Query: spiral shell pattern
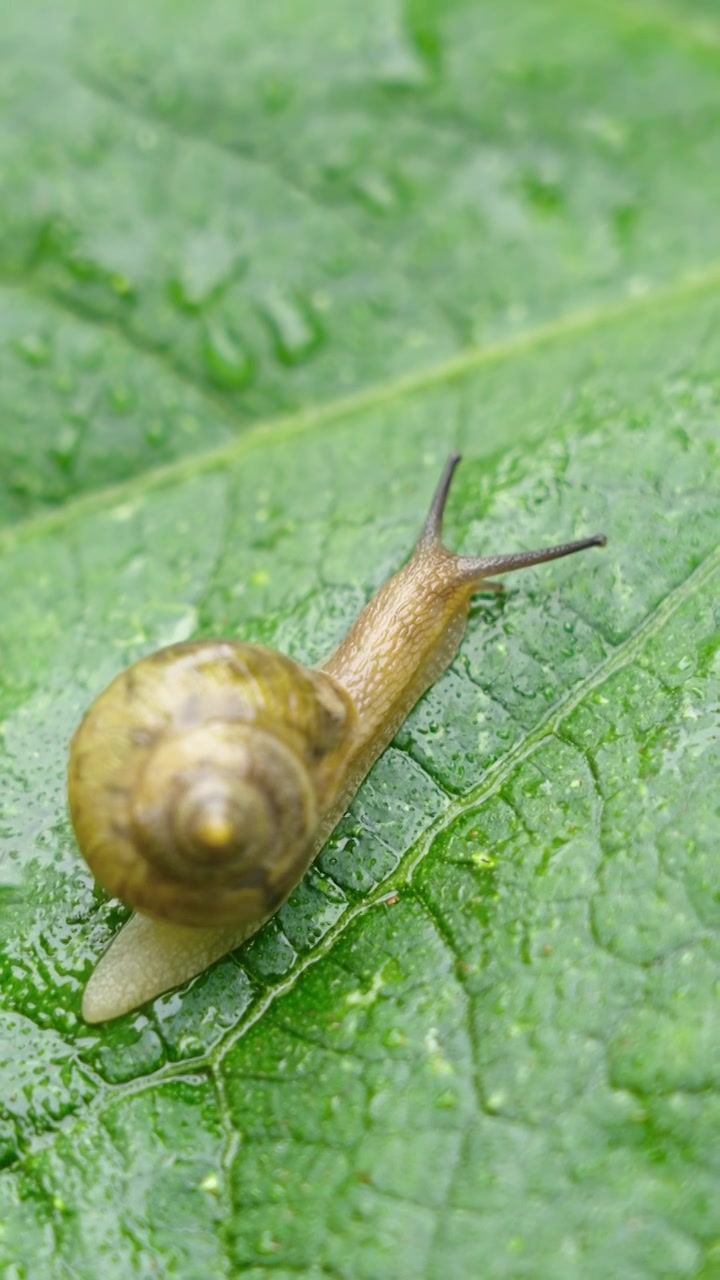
(199, 778)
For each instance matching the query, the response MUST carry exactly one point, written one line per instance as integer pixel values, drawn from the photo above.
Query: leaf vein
(274, 431)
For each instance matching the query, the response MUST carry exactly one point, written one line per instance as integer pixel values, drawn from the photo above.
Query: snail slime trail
(206, 777)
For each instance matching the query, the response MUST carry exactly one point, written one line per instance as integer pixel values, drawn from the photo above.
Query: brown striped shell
(198, 779)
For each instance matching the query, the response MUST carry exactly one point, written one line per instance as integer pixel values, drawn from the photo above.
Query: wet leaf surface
(259, 275)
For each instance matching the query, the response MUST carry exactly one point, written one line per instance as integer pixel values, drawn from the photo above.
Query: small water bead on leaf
(156, 433)
(228, 360)
(101, 289)
(544, 193)
(65, 446)
(121, 398)
(270, 955)
(210, 264)
(121, 285)
(447, 1100)
(34, 349)
(134, 1049)
(375, 191)
(294, 326)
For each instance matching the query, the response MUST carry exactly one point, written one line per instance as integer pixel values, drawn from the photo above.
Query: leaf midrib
(267, 433)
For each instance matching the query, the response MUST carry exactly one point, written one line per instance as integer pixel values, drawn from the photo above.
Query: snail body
(205, 779)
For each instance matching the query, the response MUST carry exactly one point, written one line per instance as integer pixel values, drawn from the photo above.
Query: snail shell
(205, 779)
(217, 760)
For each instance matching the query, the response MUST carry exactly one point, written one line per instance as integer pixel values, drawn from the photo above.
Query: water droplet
(376, 191)
(611, 131)
(104, 287)
(120, 285)
(543, 192)
(121, 398)
(63, 450)
(495, 1101)
(228, 360)
(266, 1244)
(34, 349)
(395, 1039)
(155, 433)
(190, 1045)
(447, 1100)
(294, 328)
(209, 263)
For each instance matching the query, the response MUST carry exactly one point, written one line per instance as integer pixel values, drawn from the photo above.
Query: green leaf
(260, 273)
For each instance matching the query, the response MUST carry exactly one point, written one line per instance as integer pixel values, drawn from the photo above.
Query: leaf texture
(259, 275)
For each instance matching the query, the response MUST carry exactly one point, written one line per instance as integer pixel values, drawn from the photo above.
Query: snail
(206, 778)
